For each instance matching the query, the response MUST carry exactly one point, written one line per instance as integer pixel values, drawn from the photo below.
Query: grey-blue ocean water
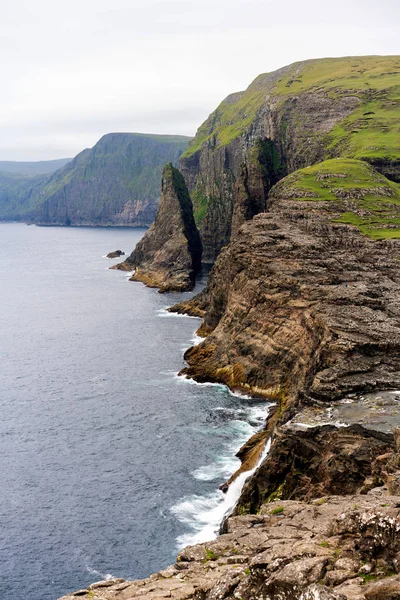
(107, 458)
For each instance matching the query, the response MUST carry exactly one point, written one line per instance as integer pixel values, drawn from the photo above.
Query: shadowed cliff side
(169, 255)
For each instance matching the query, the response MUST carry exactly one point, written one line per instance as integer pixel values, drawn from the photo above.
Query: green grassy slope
(365, 198)
(372, 130)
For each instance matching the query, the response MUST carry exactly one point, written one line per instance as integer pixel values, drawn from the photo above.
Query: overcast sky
(74, 70)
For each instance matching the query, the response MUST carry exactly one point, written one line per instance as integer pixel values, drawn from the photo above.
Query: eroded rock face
(316, 462)
(300, 307)
(333, 548)
(293, 131)
(169, 254)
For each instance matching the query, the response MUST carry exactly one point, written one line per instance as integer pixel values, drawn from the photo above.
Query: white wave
(163, 312)
(186, 379)
(204, 514)
(196, 339)
(104, 576)
(221, 469)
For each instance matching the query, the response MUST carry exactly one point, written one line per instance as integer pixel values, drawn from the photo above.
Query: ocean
(110, 462)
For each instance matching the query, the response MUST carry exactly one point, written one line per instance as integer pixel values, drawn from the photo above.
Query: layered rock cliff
(169, 254)
(301, 304)
(303, 114)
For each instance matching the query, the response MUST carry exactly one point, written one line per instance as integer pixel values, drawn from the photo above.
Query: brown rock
(299, 307)
(387, 589)
(314, 462)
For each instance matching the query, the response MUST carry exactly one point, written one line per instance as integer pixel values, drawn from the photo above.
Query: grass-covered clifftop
(365, 197)
(371, 130)
(310, 111)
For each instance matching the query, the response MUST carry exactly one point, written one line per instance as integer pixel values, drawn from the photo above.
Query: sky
(73, 71)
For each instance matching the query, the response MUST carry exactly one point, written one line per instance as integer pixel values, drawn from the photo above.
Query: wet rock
(115, 254)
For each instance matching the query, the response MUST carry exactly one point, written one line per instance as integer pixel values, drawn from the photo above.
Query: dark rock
(313, 463)
(115, 254)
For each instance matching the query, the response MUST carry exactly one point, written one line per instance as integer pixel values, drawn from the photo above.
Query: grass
(200, 205)
(210, 555)
(371, 130)
(369, 200)
(347, 73)
(277, 511)
(231, 118)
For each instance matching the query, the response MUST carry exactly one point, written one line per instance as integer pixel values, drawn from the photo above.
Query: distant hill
(33, 168)
(117, 182)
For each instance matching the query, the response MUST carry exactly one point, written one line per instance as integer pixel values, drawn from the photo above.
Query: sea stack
(169, 255)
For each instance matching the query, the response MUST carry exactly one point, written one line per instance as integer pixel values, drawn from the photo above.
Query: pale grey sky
(74, 70)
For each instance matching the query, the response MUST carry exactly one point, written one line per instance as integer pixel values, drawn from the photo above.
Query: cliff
(20, 183)
(302, 307)
(169, 254)
(304, 302)
(299, 115)
(114, 183)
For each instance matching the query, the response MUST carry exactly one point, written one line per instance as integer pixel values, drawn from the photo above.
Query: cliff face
(307, 112)
(302, 304)
(169, 255)
(20, 183)
(117, 182)
(114, 183)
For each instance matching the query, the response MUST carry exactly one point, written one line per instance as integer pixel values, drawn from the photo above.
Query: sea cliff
(301, 114)
(295, 189)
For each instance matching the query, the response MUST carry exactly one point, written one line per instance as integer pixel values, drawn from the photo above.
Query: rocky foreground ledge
(317, 547)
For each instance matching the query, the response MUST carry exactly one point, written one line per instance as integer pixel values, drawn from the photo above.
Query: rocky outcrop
(332, 548)
(115, 254)
(303, 114)
(301, 306)
(317, 462)
(169, 255)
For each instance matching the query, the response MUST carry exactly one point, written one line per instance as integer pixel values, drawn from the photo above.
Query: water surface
(109, 461)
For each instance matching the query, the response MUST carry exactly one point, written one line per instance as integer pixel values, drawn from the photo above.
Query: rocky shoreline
(305, 311)
(302, 308)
